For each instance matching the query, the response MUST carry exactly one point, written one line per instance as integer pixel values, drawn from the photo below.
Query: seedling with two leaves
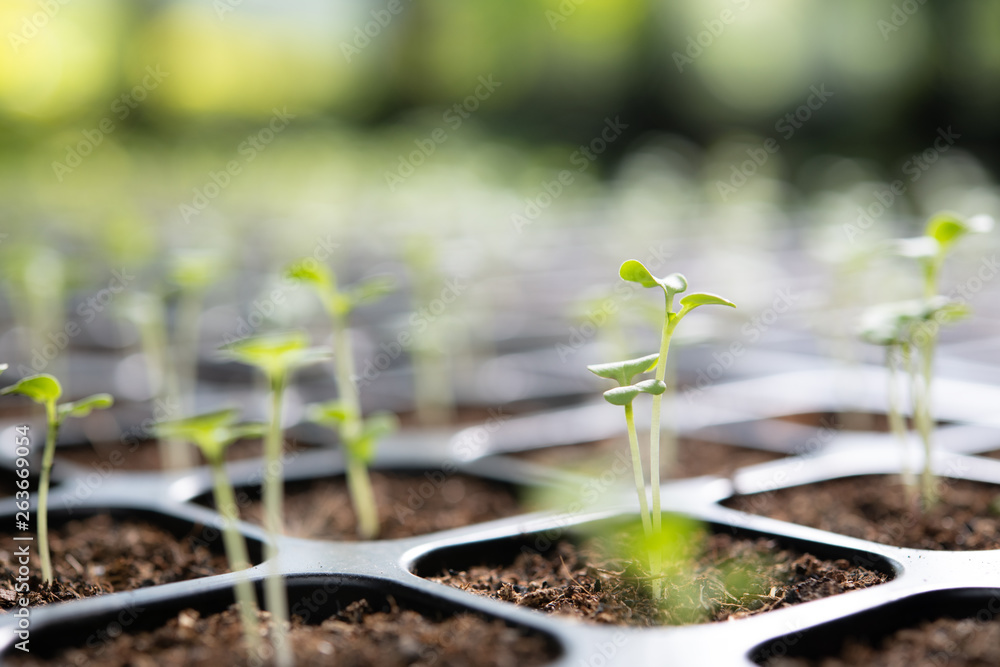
(46, 390)
(276, 355)
(358, 435)
(625, 371)
(212, 433)
(909, 332)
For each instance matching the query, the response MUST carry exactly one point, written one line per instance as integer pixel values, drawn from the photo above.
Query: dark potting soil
(945, 642)
(840, 421)
(694, 457)
(876, 508)
(408, 505)
(144, 455)
(101, 555)
(727, 578)
(355, 637)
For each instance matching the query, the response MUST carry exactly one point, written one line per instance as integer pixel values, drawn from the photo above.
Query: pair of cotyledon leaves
(894, 323)
(46, 390)
(339, 302)
(624, 371)
(943, 230)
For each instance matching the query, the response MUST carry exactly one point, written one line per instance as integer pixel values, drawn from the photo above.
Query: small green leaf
(331, 414)
(276, 354)
(888, 323)
(625, 395)
(624, 371)
(42, 388)
(945, 228)
(635, 271)
(85, 406)
(374, 428)
(196, 268)
(312, 272)
(212, 432)
(372, 289)
(654, 387)
(621, 395)
(673, 283)
(692, 301)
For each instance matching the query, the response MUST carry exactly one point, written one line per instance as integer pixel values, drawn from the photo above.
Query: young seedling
(46, 390)
(941, 234)
(359, 442)
(193, 272)
(148, 313)
(434, 341)
(899, 327)
(344, 414)
(673, 284)
(276, 355)
(212, 433)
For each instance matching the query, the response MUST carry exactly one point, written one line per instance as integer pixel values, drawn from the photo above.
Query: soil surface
(841, 421)
(945, 642)
(101, 555)
(354, 637)
(876, 508)
(694, 458)
(408, 505)
(144, 455)
(727, 578)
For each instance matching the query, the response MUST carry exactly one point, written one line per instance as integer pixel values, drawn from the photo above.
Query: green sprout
(359, 437)
(148, 313)
(46, 390)
(672, 284)
(344, 414)
(212, 433)
(192, 271)
(941, 234)
(433, 394)
(276, 355)
(896, 326)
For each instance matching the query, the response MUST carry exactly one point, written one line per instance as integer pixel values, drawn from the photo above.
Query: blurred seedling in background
(36, 286)
(276, 355)
(46, 390)
(433, 393)
(213, 433)
(896, 326)
(147, 312)
(941, 234)
(172, 358)
(357, 435)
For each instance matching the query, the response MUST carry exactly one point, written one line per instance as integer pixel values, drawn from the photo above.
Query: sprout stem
(669, 324)
(896, 422)
(43, 490)
(640, 482)
(360, 486)
(236, 553)
(274, 586)
(358, 480)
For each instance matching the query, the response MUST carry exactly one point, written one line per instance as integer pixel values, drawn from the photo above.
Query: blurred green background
(218, 116)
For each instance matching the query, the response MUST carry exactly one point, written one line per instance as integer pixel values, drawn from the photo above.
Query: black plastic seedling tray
(330, 575)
